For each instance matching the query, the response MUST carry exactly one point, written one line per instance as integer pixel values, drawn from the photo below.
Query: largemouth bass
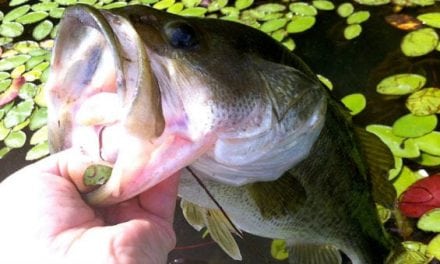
(153, 93)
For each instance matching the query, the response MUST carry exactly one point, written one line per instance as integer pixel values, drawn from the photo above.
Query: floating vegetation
(420, 42)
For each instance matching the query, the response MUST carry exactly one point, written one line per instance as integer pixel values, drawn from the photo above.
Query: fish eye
(181, 35)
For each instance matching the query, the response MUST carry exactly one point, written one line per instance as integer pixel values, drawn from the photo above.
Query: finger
(161, 199)
(69, 164)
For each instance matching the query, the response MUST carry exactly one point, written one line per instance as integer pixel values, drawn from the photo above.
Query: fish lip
(83, 30)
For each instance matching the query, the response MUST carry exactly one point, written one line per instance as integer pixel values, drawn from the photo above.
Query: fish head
(151, 93)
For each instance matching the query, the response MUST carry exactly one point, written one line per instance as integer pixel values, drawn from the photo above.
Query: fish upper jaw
(104, 99)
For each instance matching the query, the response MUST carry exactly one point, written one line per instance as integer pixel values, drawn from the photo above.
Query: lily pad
(434, 246)
(12, 62)
(428, 160)
(163, 4)
(430, 19)
(398, 165)
(424, 102)
(38, 151)
(56, 12)
(4, 151)
(39, 136)
(303, 9)
(405, 179)
(19, 113)
(429, 143)
(325, 81)
(44, 6)
(419, 42)
(11, 29)
(352, 31)
(430, 221)
(194, 11)
(272, 25)
(15, 139)
(358, 17)
(401, 84)
(175, 8)
(373, 2)
(399, 146)
(278, 249)
(355, 103)
(289, 44)
(271, 8)
(42, 30)
(16, 13)
(345, 9)
(300, 24)
(412, 126)
(323, 5)
(38, 118)
(243, 4)
(32, 17)
(216, 5)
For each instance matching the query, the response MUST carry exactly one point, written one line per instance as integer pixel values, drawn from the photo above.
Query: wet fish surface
(153, 93)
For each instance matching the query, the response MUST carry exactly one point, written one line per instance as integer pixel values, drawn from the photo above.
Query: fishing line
(199, 181)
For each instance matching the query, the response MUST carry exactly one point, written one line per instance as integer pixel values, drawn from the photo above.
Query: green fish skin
(153, 93)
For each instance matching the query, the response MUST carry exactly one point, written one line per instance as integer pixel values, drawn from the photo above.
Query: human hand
(43, 218)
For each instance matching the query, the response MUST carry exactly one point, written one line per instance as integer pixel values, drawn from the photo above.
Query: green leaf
(13, 61)
(56, 12)
(243, 4)
(300, 24)
(430, 19)
(32, 17)
(419, 42)
(303, 9)
(15, 139)
(163, 4)
(424, 102)
(46, 6)
(358, 17)
(16, 13)
(323, 5)
(355, 103)
(38, 118)
(11, 29)
(4, 151)
(27, 91)
(325, 81)
(429, 143)
(216, 5)
(289, 44)
(39, 136)
(434, 244)
(19, 113)
(406, 178)
(278, 249)
(4, 84)
(42, 30)
(272, 25)
(430, 221)
(271, 8)
(194, 12)
(412, 126)
(401, 84)
(175, 8)
(373, 2)
(428, 160)
(17, 2)
(398, 165)
(38, 151)
(345, 9)
(399, 146)
(352, 31)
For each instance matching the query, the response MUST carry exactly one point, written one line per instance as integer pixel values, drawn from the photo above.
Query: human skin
(43, 218)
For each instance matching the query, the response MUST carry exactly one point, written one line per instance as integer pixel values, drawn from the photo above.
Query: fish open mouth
(103, 97)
